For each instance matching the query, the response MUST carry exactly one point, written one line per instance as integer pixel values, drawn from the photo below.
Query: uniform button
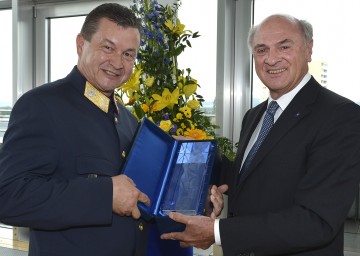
(141, 226)
(116, 120)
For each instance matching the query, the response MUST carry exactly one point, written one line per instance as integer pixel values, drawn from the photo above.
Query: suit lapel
(293, 114)
(251, 119)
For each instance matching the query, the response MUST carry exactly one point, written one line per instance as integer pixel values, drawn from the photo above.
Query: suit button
(141, 226)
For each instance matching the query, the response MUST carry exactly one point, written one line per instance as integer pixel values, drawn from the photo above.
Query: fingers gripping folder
(175, 174)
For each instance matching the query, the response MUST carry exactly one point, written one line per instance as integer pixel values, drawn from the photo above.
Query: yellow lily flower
(189, 89)
(133, 84)
(178, 29)
(194, 104)
(167, 99)
(149, 81)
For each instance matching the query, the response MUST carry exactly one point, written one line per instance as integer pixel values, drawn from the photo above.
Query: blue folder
(175, 174)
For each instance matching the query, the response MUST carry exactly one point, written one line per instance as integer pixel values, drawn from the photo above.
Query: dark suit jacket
(302, 182)
(56, 141)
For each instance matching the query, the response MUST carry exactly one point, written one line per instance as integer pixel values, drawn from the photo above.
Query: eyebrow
(111, 42)
(259, 46)
(286, 41)
(108, 41)
(278, 43)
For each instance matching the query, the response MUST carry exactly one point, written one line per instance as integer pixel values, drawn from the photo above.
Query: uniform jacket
(302, 181)
(56, 163)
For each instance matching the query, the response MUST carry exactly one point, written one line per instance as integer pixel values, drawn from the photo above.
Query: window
(55, 47)
(334, 63)
(201, 57)
(6, 95)
(63, 54)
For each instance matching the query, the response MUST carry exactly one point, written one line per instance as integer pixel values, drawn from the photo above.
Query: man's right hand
(126, 196)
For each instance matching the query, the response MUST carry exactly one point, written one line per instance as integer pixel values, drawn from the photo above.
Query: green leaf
(188, 43)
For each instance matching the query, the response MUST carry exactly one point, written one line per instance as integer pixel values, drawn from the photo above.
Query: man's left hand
(217, 199)
(199, 231)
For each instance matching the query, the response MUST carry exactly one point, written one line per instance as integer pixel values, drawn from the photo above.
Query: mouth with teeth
(276, 71)
(110, 73)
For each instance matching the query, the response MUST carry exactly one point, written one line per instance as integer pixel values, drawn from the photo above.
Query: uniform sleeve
(30, 194)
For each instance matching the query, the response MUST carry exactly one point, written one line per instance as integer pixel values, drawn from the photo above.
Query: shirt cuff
(217, 232)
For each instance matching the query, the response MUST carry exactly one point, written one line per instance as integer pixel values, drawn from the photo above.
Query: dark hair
(117, 13)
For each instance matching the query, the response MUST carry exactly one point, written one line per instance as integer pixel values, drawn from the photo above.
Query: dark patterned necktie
(265, 128)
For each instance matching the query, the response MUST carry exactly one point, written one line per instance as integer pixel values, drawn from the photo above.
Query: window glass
(63, 55)
(201, 57)
(335, 30)
(6, 94)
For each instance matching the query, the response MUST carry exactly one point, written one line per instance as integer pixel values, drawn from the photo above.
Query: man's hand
(199, 231)
(126, 196)
(217, 199)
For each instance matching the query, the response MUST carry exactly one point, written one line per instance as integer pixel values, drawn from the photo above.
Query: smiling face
(107, 60)
(281, 54)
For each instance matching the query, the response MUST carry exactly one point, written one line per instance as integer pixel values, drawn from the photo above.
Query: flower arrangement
(158, 89)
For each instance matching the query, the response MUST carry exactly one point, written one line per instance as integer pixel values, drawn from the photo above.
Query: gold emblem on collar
(96, 97)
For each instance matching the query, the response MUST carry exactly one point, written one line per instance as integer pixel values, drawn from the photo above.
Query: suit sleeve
(322, 198)
(30, 194)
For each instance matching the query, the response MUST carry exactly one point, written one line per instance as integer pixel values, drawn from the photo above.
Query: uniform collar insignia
(99, 99)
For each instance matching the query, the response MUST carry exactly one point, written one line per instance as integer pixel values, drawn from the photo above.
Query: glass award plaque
(175, 174)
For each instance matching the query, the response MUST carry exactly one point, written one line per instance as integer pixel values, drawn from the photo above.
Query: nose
(273, 57)
(117, 61)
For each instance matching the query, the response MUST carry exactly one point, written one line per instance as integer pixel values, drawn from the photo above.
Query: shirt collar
(285, 99)
(99, 99)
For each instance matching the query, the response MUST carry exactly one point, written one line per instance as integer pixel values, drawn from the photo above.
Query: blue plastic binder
(175, 174)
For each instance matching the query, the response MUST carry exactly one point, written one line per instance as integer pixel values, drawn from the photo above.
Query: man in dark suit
(293, 196)
(65, 145)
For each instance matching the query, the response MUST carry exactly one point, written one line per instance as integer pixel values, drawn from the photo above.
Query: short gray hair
(304, 25)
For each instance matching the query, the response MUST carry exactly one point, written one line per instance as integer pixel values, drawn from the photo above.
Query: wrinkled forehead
(276, 29)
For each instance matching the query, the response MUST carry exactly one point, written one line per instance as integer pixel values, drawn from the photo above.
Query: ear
(79, 44)
(309, 47)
